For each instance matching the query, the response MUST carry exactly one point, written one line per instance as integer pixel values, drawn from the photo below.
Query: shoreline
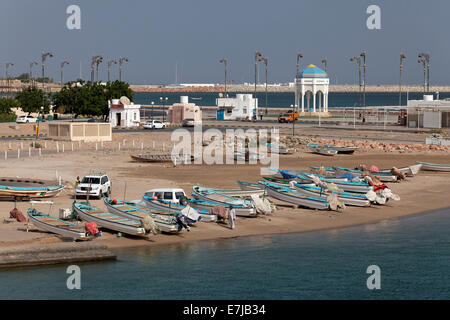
(162, 245)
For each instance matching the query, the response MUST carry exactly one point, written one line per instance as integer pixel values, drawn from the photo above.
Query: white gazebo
(311, 90)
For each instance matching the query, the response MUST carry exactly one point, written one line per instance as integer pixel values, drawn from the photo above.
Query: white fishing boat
(428, 166)
(48, 223)
(109, 220)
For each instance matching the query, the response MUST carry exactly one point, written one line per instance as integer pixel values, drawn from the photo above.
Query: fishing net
(149, 225)
(335, 203)
(262, 206)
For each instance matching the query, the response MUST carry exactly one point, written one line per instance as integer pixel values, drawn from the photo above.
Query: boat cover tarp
(349, 176)
(219, 210)
(262, 206)
(91, 227)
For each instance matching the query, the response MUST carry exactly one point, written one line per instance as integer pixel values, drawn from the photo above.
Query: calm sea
(413, 254)
(285, 99)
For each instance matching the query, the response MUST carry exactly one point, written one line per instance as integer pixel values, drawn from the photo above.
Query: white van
(167, 194)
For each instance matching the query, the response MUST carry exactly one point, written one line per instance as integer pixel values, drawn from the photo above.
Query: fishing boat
(13, 188)
(166, 221)
(382, 176)
(409, 171)
(109, 220)
(428, 166)
(342, 150)
(161, 158)
(321, 150)
(349, 198)
(168, 206)
(291, 196)
(207, 204)
(65, 229)
(239, 193)
(250, 186)
(348, 186)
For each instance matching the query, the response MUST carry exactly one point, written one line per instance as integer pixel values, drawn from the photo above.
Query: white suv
(97, 185)
(26, 119)
(154, 124)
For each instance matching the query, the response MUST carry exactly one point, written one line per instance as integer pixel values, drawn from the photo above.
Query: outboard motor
(182, 223)
(184, 201)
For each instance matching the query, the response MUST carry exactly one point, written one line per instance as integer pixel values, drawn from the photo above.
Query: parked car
(97, 185)
(168, 194)
(154, 124)
(189, 122)
(26, 119)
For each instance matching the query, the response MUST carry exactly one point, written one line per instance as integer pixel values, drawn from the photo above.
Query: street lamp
(121, 60)
(152, 110)
(358, 61)
(164, 101)
(224, 61)
(33, 63)
(324, 61)
(61, 67)
(8, 64)
(266, 63)
(363, 55)
(299, 56)
(257, 55)
(402, 57)
(110, 62)
(426, 57)
(422, 60)
(43, 58)
(97, 62)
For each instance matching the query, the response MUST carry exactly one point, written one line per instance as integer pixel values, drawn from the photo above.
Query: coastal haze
(183, 41)
(285, 243)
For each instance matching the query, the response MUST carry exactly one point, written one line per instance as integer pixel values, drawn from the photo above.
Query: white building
(242, 107)
(123, 113)
(311, 90)
(428, 113)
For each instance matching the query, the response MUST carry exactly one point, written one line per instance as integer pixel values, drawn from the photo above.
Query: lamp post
(422, 60)
(164, 101)
(33, 63)
(358, 61)
(121, 60)
(224, 61)
(426, 58)
(266, 63)
(299, 56)
(97, 62)
(152, 109)
(363, 55)
(61, 68)
(402, 56)
(43, 58)
(257, 56)
(110, 62)
(8, 64)
(324, 61)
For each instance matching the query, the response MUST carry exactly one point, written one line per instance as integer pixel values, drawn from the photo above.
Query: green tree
(31, 99)
(6, 104)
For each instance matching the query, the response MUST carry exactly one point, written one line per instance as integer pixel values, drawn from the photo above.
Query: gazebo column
(303, 101)
(314, 101)
(320, 101)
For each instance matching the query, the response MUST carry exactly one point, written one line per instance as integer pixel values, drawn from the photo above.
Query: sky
(160, 36)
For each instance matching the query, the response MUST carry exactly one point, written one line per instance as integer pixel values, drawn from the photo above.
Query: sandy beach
(424, 192)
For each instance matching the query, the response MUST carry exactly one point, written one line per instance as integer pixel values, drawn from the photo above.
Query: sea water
(285, 99)
(413, 254)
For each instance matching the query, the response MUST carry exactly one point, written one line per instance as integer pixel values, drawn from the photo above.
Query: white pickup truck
(96, 185)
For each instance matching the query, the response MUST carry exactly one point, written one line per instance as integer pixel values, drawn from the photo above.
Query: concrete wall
(80, 131)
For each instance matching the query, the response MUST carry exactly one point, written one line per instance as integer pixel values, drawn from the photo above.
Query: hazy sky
(157, 34)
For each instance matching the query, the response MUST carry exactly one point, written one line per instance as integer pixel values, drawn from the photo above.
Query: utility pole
(358, 61)
(257, 56)
(324, 61)
(8, 90)
(33, 63)
(266, 63)
(422, 60)
(363, 55)
(43, 58)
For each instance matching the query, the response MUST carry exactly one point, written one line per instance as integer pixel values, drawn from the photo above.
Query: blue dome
(313, 71)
